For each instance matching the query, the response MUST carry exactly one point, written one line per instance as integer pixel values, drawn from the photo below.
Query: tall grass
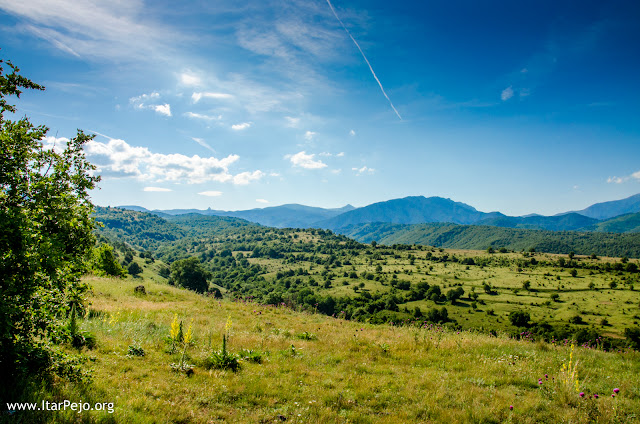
(325, 370)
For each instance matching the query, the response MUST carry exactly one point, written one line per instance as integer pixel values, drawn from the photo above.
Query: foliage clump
(45, 239)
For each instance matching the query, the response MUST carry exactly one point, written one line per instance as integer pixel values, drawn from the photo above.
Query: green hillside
(481, 237)
(629, 223)
(303, 367)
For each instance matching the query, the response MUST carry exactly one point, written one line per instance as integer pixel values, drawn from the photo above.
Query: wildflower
(227, 326)
(616, 390)
(581, 394)
(189, 335)
(510, 407)
(613, 395)
(596, 396)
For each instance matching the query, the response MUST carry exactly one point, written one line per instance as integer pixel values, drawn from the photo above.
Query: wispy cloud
(118, 159)
(158, 189)
(309, 135)
(190, 79)
(352, 133)
(240, 127)
(292, 122)
(262, 201)
(303, 160)
(620, 180)
(95, 29)
(212, 193)
(365, 59)
(203, 143)
(141, 101)
(506, 94)
(148, 101)
(196, 97)
(204, 117)
(363, 170)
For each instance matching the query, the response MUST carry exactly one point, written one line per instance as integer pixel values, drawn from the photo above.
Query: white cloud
(240, 127)
(245, 178)
(309, 135)
(194, 115)
(620, 180)
(160, 189)
(188, 78)
(113, 30)
(203, 143)
(352, 133)
(326, 154)
(148, 101)
(164, 109)
(262, 201)
(210, 193)
(507, 93)
(210, 95)
(303, 160)
(274, 174)
(292, 122)
(58, 144)
(140, 102)
(341, 154)
(363, 170)
(117, 159)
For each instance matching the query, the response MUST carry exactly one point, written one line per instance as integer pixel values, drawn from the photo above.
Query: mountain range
(618, 216)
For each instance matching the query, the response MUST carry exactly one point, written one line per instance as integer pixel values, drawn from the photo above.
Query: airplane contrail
(365, 59)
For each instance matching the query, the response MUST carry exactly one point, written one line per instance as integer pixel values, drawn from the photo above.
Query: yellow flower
(227, 327)
(189, 335)
(175, 328)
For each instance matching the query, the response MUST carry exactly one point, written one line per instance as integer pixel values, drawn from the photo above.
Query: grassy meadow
(307, 367)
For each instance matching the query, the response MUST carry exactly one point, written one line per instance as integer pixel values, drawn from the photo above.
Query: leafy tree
(454, 294)
(45, 240)
(134, 269)
(633, 336)
(520, 318)
(105, 262)
(190, 274)
(438, 315)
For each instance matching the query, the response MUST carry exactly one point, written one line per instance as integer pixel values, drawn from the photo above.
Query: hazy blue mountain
(568, 222)
(290, 215)
(629, 223)
(606, 210)
(410, 210)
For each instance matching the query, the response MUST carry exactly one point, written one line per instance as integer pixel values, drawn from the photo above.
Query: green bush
(222, 359)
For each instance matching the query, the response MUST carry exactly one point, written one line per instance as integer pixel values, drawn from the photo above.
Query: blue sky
(522, 107)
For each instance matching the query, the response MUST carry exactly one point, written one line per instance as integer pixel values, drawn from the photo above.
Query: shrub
(520, 318)
(222, 359)
(306, 336)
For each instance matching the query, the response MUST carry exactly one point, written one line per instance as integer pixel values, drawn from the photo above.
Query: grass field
(321, 369)
(553, 294)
